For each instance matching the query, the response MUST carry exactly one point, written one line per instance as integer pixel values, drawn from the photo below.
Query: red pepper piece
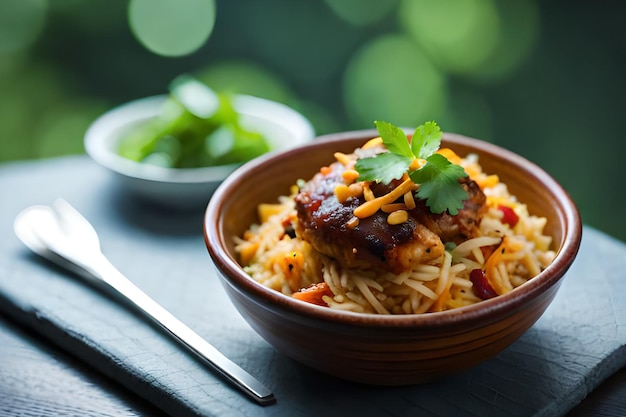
(482, 288)
(314, 294)
(509, 216)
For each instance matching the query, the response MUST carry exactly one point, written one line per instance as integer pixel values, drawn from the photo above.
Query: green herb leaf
(439, 184)
(438, 178)
(426, 140)
(394, 139)
(204, 124)
(383, 167)
(195, 96)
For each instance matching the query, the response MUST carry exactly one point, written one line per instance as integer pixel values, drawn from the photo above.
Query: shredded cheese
(416, 164)
(390, 208)
(450, 155)
(370, 207)
(344, 192)
(342, 158)
(367, 192)
(350, 175)
(372, 143)
(409, 201)
(398, 217)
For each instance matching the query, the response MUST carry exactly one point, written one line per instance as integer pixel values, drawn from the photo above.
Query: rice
(509, 257)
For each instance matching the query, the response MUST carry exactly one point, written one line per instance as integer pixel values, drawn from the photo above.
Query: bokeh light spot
(459, 35)
(172, 27)
(243, 77)
(361, 12)
(519, 35)
(21, 22)
(391, 79)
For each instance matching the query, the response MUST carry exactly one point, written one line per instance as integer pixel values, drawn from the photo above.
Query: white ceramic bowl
(189, 188)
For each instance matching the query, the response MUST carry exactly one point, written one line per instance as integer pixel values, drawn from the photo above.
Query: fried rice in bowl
(360, 280)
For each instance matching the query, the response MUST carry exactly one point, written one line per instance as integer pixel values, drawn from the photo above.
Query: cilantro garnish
(438, 178)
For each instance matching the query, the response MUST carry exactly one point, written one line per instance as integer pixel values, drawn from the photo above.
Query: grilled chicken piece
(374, 243)
(457, 228)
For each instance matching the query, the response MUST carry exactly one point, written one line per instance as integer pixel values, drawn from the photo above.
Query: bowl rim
(97, 137)
(484, 311)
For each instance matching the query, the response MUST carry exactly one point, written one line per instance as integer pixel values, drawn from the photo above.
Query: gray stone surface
(577, 344)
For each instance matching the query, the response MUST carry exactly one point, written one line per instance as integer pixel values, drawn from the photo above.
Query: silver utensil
(62, 235)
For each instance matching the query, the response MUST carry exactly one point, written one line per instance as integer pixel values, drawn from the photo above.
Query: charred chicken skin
(329, 225)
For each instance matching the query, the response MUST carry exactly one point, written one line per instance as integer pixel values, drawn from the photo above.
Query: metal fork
(62, 235)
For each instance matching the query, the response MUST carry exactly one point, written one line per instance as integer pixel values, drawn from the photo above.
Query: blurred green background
(545, 79)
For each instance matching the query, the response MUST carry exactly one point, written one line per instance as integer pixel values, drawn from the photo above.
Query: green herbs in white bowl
(175, 149)
(196, 127)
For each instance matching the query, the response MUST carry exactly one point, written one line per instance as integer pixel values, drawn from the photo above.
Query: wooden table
(66, 349)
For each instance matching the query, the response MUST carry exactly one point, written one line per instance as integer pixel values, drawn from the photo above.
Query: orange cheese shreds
(343, 158)
(398, 217)
(370, 207)
(367, 192)
(488, 181)
(325, 170)
(350, 175)
(344, 192)
(390, 208)
(416, 164)
(372, 143)
(409, 201)
(450, 155)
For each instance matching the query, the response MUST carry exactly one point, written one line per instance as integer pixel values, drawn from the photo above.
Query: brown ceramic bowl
(377, 349)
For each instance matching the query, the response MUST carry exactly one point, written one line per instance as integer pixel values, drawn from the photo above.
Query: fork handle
(106, 272)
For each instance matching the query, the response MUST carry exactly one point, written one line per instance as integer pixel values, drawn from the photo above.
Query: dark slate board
(37, 379)
(576, 345)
